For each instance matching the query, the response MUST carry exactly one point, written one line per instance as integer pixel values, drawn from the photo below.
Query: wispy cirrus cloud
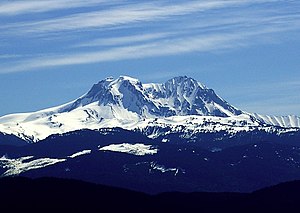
(9, 56)
(122, 40)
(49, 34)
(10, 8)
(125, 14)
(171, 36)
(175, 46)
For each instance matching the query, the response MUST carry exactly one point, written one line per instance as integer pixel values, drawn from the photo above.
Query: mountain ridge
(174, 136)
(126, 102)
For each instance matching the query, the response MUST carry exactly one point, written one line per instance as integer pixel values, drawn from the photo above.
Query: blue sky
(248, 51)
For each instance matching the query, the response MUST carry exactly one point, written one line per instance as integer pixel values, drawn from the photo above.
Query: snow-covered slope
(178, 96)
(186, 96)
(283, 121)
(134, 149)
(126, 102)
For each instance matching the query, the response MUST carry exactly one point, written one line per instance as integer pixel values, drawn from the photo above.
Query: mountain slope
(283, 121)
(126, 102)
(243, 162)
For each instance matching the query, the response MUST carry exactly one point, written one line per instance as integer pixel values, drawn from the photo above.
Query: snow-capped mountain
(177, 96)
(126, 102)
(152, 138)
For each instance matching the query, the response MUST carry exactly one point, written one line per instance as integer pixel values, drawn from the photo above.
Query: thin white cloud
(234, 30)
(9, 56)
(244, 19)
(9, 8)
(124, 40)
(174, 46)
(128, 14)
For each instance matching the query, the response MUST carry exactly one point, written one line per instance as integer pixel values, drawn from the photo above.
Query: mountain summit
(127, 103)
(178, 96)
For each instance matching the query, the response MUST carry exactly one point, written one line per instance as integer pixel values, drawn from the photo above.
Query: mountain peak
(109, 81)
(180, 95)
(125, 81)
(126, 102)
(127, 78)
(185, 80)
